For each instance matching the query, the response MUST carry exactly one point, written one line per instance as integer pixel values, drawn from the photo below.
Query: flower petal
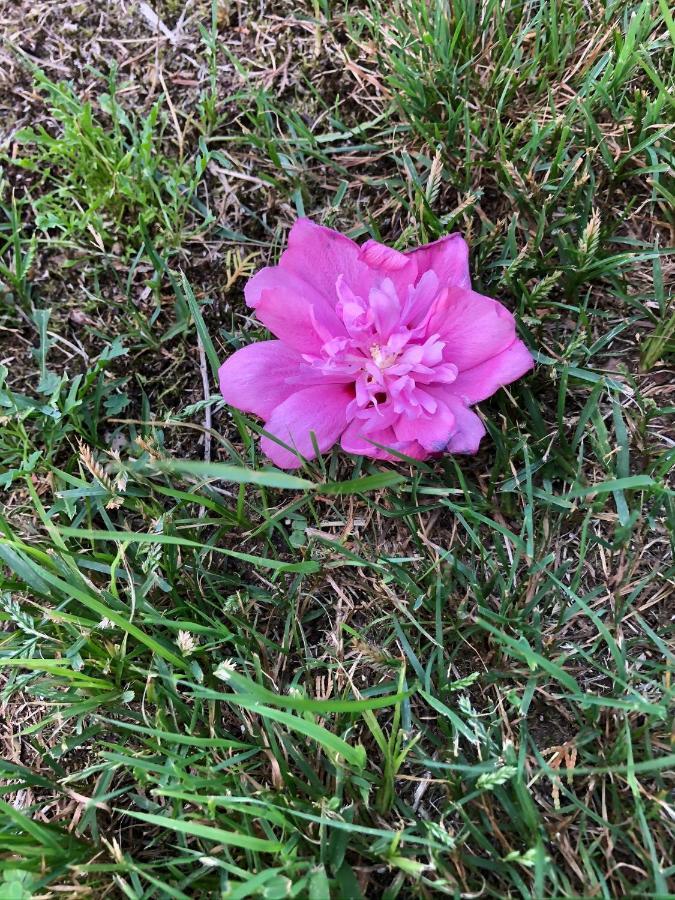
(420, 299)
(317, 256)
(481, 381)
(254, 378)
(320, 409)
(379, 256)
(300, 317)
(469, 430)
(359, 444)
(433, 432)
(385, 262)
(448, 258)
(475, 328)
(386, 307)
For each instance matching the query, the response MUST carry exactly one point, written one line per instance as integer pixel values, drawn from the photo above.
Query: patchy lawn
(361, 679)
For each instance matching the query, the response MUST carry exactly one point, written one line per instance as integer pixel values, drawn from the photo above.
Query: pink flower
(374, 347)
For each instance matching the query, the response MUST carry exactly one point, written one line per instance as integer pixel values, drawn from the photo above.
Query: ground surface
(448, 679)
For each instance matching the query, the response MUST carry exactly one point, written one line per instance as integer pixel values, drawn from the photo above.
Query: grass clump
(105, 172)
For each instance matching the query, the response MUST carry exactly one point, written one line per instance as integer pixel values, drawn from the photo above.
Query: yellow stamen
(381, 361)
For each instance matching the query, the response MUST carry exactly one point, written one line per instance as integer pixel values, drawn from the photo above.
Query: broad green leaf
(130, 537)
(361, 485)
(356, 756)
(209, 832)
(273, 478)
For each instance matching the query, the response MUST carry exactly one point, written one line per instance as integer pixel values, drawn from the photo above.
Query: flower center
(386, 352)
(382, 360)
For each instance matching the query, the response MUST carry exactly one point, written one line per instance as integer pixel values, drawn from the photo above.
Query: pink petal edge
(253, 378)
(320, 409)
